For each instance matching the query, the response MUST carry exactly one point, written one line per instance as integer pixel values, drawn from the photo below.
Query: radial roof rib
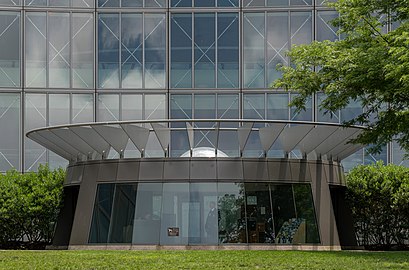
(138, 135)
(72, 139)
(349, 134)
(338, 136)
(349, 151)
(243, 134)
(291, 136)
(49, 145)
(268, 135)
(344, 145)
(315, 137)
(46, 134)
(114, 136)
(163, 134)
(87, 134)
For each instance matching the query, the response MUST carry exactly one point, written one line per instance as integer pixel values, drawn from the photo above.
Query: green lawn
(202, 260)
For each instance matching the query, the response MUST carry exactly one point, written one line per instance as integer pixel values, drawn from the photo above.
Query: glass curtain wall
(204, 213)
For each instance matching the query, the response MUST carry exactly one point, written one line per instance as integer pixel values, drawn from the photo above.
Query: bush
(29, 206)
(379, 199)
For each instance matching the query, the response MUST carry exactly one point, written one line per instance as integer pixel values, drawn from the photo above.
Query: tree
(367, 65)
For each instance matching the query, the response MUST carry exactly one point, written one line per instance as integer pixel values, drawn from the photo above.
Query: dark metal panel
(203, 169)
(323, 206)
(128, 170)
(85, 206)
(151, 170)
(229, 169)
(255, 170)
(176, 170)
(77, 174)
(107, 171)
(279, 170)
(300, 171)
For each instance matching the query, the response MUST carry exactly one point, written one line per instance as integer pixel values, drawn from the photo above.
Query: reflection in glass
(232, 224)
(9, 118)
(102, 214)
(108, 50)
(175, 214)
(82, 108)
(204, 50)
(227, 50)
(36, 52)
(35, 116)
(10, 52)
(148, 213)
(82, 50)
(108, 108)
(58, 109)
(59, 50)
(277, 107)
(253, 42)
(131, 50)
(260, 223)
(123, 214)
(155, 50)
(277, 43)
(181, 51)
(203, 214)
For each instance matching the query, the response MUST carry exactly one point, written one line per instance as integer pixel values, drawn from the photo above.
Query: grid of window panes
(73, 61)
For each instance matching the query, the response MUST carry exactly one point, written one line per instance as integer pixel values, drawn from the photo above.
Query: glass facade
(82, 61)
(204, 213)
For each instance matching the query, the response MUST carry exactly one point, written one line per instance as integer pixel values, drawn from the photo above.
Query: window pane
(10, 52)
(277, 43)
(253, 106)
(59, 109)
(181, 3)
(131, 50)
(304, 115)
(277, 107)
(181, 51)
(148, 214)
(301, 27)
(35, 117)
(108, 108)
(254, 57)
(35, 55)
(123, 214)
(232, 224)
(260, 223)
(306, 213)
(326, 116)
(227, 50)
(131, 107)
(82, 108)
(9, 118)
(82, 42)
(155, 50)
(108, 50)
(325, 30)
(203, 214)
(175, 214)
(59, 49)
(102, 214)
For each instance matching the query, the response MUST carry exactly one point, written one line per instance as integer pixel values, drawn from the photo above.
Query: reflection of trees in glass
(232, 228)
(283, 204)
(305, 210)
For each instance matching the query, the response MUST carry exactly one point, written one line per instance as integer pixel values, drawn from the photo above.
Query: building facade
(80, 61)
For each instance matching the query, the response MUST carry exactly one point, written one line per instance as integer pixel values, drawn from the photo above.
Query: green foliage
(379, 199)
(367, 65)
(29, 205)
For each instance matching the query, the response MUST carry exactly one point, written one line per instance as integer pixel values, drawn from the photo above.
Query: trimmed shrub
(379, 199)
(29, 206)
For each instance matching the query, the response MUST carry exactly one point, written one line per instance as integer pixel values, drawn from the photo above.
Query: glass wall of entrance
(205, 213)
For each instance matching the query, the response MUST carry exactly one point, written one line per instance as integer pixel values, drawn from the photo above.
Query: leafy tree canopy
(368, 64)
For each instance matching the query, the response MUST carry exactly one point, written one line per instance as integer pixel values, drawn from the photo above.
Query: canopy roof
(91, 141)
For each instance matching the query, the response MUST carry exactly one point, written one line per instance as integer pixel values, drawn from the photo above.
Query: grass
(202, 260)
